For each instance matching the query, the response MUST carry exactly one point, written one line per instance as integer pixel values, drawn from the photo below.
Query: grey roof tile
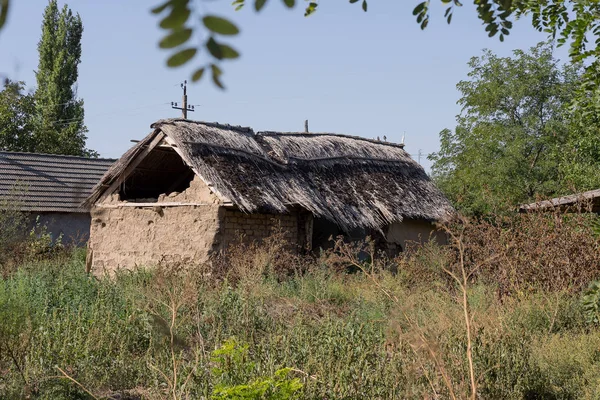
(46, 182)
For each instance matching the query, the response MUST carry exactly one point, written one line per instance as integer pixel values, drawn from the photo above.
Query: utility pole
(184, 107)
(419, 155)
(306, 125)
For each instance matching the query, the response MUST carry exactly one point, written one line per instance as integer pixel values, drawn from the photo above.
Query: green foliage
(153, 333)
(13, 224)
(566, 21)
(232, 367)
(590, 303)
(40, 243)
(220, 25)
(3, 11)
(515, 136)
(16, 112)
(179, 33)
(569, 365)
(58, 120)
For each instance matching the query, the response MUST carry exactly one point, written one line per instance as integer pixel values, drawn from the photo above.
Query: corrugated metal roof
(47, 182)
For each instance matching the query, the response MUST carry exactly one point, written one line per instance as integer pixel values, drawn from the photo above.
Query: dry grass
(475, 319)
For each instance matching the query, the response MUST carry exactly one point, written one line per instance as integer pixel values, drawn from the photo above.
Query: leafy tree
(515, 136)
(58, 121)
(16, 109)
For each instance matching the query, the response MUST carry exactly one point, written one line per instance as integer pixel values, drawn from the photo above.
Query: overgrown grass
(367, 334)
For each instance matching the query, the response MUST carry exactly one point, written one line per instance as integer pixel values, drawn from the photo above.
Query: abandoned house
(189, 189)
(50, 189)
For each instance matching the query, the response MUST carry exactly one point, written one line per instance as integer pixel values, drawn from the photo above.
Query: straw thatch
(351, 181)
(589, 200)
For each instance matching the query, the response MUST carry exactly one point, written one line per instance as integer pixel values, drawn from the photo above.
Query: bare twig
(77, 383)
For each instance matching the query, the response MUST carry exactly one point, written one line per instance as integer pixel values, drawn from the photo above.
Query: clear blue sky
(368, 74)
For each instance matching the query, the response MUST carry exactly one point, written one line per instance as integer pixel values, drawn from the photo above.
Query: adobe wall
(408, 231)
(186, 230)
(126, 237)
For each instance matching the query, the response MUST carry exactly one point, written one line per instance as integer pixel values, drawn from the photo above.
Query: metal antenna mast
(184, 107)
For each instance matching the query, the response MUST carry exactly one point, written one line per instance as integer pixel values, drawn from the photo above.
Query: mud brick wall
(125, 237)
(256, 227)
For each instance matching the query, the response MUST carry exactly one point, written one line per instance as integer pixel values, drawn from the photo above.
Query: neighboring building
(189, 189)
(586, 201)
(51, 187)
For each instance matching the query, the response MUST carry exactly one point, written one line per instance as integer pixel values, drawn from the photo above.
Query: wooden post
(184, 109)
(89, 258)
(306, 125)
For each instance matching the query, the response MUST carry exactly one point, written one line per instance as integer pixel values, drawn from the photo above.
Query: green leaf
(310, 9)
(220, 25)
(161, 8)
(364, 5)
(353, 1)
(221, 51)
(259, 4)
(228, 52)
(216, 75)
(198, 75)
(215, 69)
(419, 8)
(289, 3)
(181, 57)
(176, 19)
(214, 48)
(175, 39)
(3, 11)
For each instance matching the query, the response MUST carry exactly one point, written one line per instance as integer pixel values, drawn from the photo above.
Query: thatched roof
(586, 201)
(352, 181)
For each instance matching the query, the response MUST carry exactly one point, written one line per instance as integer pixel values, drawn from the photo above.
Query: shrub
(525, 252)
(591, 303)
(236, 378)
(372, 331)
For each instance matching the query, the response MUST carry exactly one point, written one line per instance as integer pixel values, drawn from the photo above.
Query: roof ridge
(56, 155)
(238, 128)
(342, 135)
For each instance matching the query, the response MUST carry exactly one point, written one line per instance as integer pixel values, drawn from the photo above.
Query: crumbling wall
(256, 227)
(186, 229)
(126, 237)
(197, 192)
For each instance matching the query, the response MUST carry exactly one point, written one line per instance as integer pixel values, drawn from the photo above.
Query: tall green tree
(515, 137)
(58, 123)
(16, 110)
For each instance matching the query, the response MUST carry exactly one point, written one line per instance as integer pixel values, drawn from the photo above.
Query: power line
(68, 121)
(56, 105)
(129, 94)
